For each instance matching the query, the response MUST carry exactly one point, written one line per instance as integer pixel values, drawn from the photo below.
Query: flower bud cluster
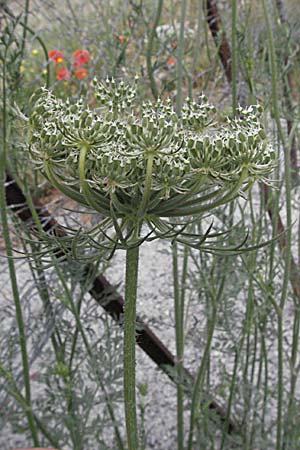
(59, 128)
(112, 146)
(225, 152)
(116, 97)
(197, 115)
(156, 131)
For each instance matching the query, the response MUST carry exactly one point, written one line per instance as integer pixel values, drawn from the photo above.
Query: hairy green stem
(179, 335)
(131, 277)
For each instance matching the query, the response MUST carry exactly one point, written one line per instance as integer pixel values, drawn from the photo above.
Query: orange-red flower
(80, 73)
(56, 56)
(123, 38)
(171, 61)
(62, 73)
(80, 57)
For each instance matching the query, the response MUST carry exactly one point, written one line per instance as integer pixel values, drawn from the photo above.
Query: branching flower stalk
(140, 166)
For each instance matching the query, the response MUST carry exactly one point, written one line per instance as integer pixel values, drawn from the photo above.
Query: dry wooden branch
(216, 27)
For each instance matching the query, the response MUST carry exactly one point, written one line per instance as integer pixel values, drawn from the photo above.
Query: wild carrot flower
(188, 155)
(80, 73)
(62, 72)
(56, 56)
(80, 57)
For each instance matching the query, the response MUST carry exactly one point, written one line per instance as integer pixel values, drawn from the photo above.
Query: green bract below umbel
(142, 163)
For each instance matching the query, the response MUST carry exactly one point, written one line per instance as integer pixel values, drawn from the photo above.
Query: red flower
(123, 38)
(62, 72)
(80, 57)
(171, 61)
(56, 56)
(80, 73)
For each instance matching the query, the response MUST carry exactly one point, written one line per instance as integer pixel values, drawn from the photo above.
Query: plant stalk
(131, 277)
(179, 334)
